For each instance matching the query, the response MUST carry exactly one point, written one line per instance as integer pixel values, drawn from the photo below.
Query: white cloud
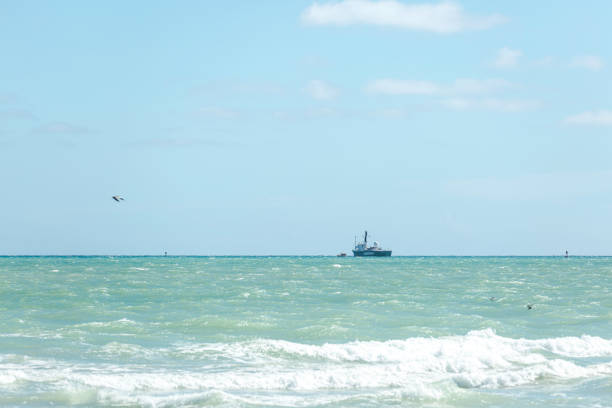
(224, 87)
(601, 117)
(8, 98)
(311, 113)
(491, 104)
(395, 113)
(591, 62)
(61, 128)
(321, 90)
(462, 94)
(177, 142)
(16, 114)
(507, 58)
(317, 113)
(415, 87)
(479, 86)
(218, 112)
(458, 103)
(403, 87)
(509, 105)
(445, 17)
(547, 61)
(532, 186)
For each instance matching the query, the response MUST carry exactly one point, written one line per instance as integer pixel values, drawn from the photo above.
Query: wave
(114, 323)
(479, 345)
(278, 372)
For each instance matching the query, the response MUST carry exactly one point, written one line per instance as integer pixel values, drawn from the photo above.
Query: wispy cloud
(547, 61)
(177, 142)
(417, 87)
(462, 94)
(61, 128)
(16, 114)
(315, 61)
(591, 62)
(403, 87)
(238, 87)
(479, 86)
(510, 58)
(317, 113)
(532, 186)
(8, 98)
(312, 113)
(507, 58)
(215, 112)
(444, 18)
(398, 113)
(600, 117)
(492, 104)
(321, 90)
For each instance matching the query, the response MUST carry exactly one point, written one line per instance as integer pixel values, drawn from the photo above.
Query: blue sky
(444, 128)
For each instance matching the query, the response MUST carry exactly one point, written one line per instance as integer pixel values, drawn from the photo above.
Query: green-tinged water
(305, 331)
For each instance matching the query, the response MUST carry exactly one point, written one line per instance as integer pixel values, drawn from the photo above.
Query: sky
(289, 127)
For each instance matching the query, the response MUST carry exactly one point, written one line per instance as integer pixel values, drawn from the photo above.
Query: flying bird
(530, 306)
(117, 198)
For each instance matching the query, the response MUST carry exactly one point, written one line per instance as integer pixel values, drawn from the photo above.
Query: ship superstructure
(362, 248)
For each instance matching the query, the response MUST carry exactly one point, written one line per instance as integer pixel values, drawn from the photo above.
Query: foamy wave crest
(276, 372)
(481, 345)
(114, 323)
(478, 359)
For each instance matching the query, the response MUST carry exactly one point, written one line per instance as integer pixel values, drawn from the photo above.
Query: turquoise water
(305, 331)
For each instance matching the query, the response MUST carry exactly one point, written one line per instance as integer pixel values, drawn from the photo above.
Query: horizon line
(290, 256)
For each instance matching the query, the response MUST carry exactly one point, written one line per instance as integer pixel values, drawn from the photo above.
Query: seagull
(117, 198)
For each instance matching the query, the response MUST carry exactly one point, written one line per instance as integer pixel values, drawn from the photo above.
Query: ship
(362, 248)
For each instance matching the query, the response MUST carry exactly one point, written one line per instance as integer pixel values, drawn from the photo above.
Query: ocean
(305, 332)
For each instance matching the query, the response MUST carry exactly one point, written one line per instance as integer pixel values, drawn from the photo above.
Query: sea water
(305, 331)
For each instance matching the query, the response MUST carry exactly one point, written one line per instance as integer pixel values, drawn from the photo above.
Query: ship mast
(365, 238)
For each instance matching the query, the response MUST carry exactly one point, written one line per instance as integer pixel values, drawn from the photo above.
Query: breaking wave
(277, 372)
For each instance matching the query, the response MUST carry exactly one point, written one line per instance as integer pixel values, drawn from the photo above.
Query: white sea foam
(113, 323)
(116, 349)
(482, 345)
(268, 371)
